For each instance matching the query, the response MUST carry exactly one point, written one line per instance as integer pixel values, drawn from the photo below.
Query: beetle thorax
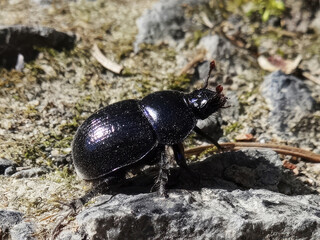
(204, 102)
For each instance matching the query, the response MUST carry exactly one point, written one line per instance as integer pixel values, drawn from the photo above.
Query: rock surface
(13, 227)
(225, 53)
(301, 15)
(4, 164)
(288, 98)
(224, 207)
(165, 21)
(217, 47)
(23, 231)
(28, 173)
(7, 220)
(19, 39)
(208, 214)
(212, 126)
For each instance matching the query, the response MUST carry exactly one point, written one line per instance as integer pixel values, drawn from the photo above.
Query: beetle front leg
(162, 179)
(206, 136)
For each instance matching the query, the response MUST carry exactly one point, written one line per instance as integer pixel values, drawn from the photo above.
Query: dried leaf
(288, 165)
(108, 64)
(244, 137)
(275, 63)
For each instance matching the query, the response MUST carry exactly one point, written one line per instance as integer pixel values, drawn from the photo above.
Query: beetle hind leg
(76, 204)
(101, 187)
(162, 178)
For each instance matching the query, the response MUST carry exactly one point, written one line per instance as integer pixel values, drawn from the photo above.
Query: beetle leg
(206, 136)
(78, 203)
(178, 151)
(102, 187)
(162, 179)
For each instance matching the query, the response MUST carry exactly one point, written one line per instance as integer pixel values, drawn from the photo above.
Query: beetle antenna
(212, 67)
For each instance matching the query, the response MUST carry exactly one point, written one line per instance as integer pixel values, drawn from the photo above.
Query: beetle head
(204, 102)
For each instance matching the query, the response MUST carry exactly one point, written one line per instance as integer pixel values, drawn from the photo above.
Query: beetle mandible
(133, 133)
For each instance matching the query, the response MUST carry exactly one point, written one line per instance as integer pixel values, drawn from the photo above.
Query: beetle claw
(163, 193)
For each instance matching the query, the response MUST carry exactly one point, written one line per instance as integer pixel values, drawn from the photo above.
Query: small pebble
(4, 164)
(29, 173)
(296, 171)
(10, 170)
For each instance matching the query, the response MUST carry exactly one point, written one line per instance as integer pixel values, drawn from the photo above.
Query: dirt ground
(42, 106)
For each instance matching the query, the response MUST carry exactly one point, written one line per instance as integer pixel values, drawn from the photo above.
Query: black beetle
(134, 133)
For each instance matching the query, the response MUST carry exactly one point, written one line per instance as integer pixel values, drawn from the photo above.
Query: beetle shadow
(245, 169)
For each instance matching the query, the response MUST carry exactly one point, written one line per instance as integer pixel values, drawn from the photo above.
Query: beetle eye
(203, 103)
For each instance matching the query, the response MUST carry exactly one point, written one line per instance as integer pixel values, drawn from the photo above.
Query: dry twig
(311, 77)
(282, 149)
(108, 64)
(281, 32)
(206, 20)
(193, 62)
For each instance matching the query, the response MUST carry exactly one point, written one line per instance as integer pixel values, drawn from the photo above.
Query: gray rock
(222, 207)
(69, 235)
(288, 98)
(19, 35)
(232, 113)
(202, 70)
(23, 231)
(7, 220)
(212, 126)
(315, 24)
(207, 214)
(4, 164)
(165, 21)
(224, 53)
(28, 173)
(300, 14)
(247, 168)
(19, 39)
(217, 47)
(250, 168)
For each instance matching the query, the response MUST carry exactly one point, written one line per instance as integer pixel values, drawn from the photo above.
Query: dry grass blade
(206, 20)
(193, 62)
(311, 77)
(282, 149)
(108, 64)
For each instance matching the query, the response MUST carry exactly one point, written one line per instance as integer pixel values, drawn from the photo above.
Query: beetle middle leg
(178, 151)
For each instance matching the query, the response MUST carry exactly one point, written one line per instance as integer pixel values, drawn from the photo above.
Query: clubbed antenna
(212, 67)
(219, 89)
